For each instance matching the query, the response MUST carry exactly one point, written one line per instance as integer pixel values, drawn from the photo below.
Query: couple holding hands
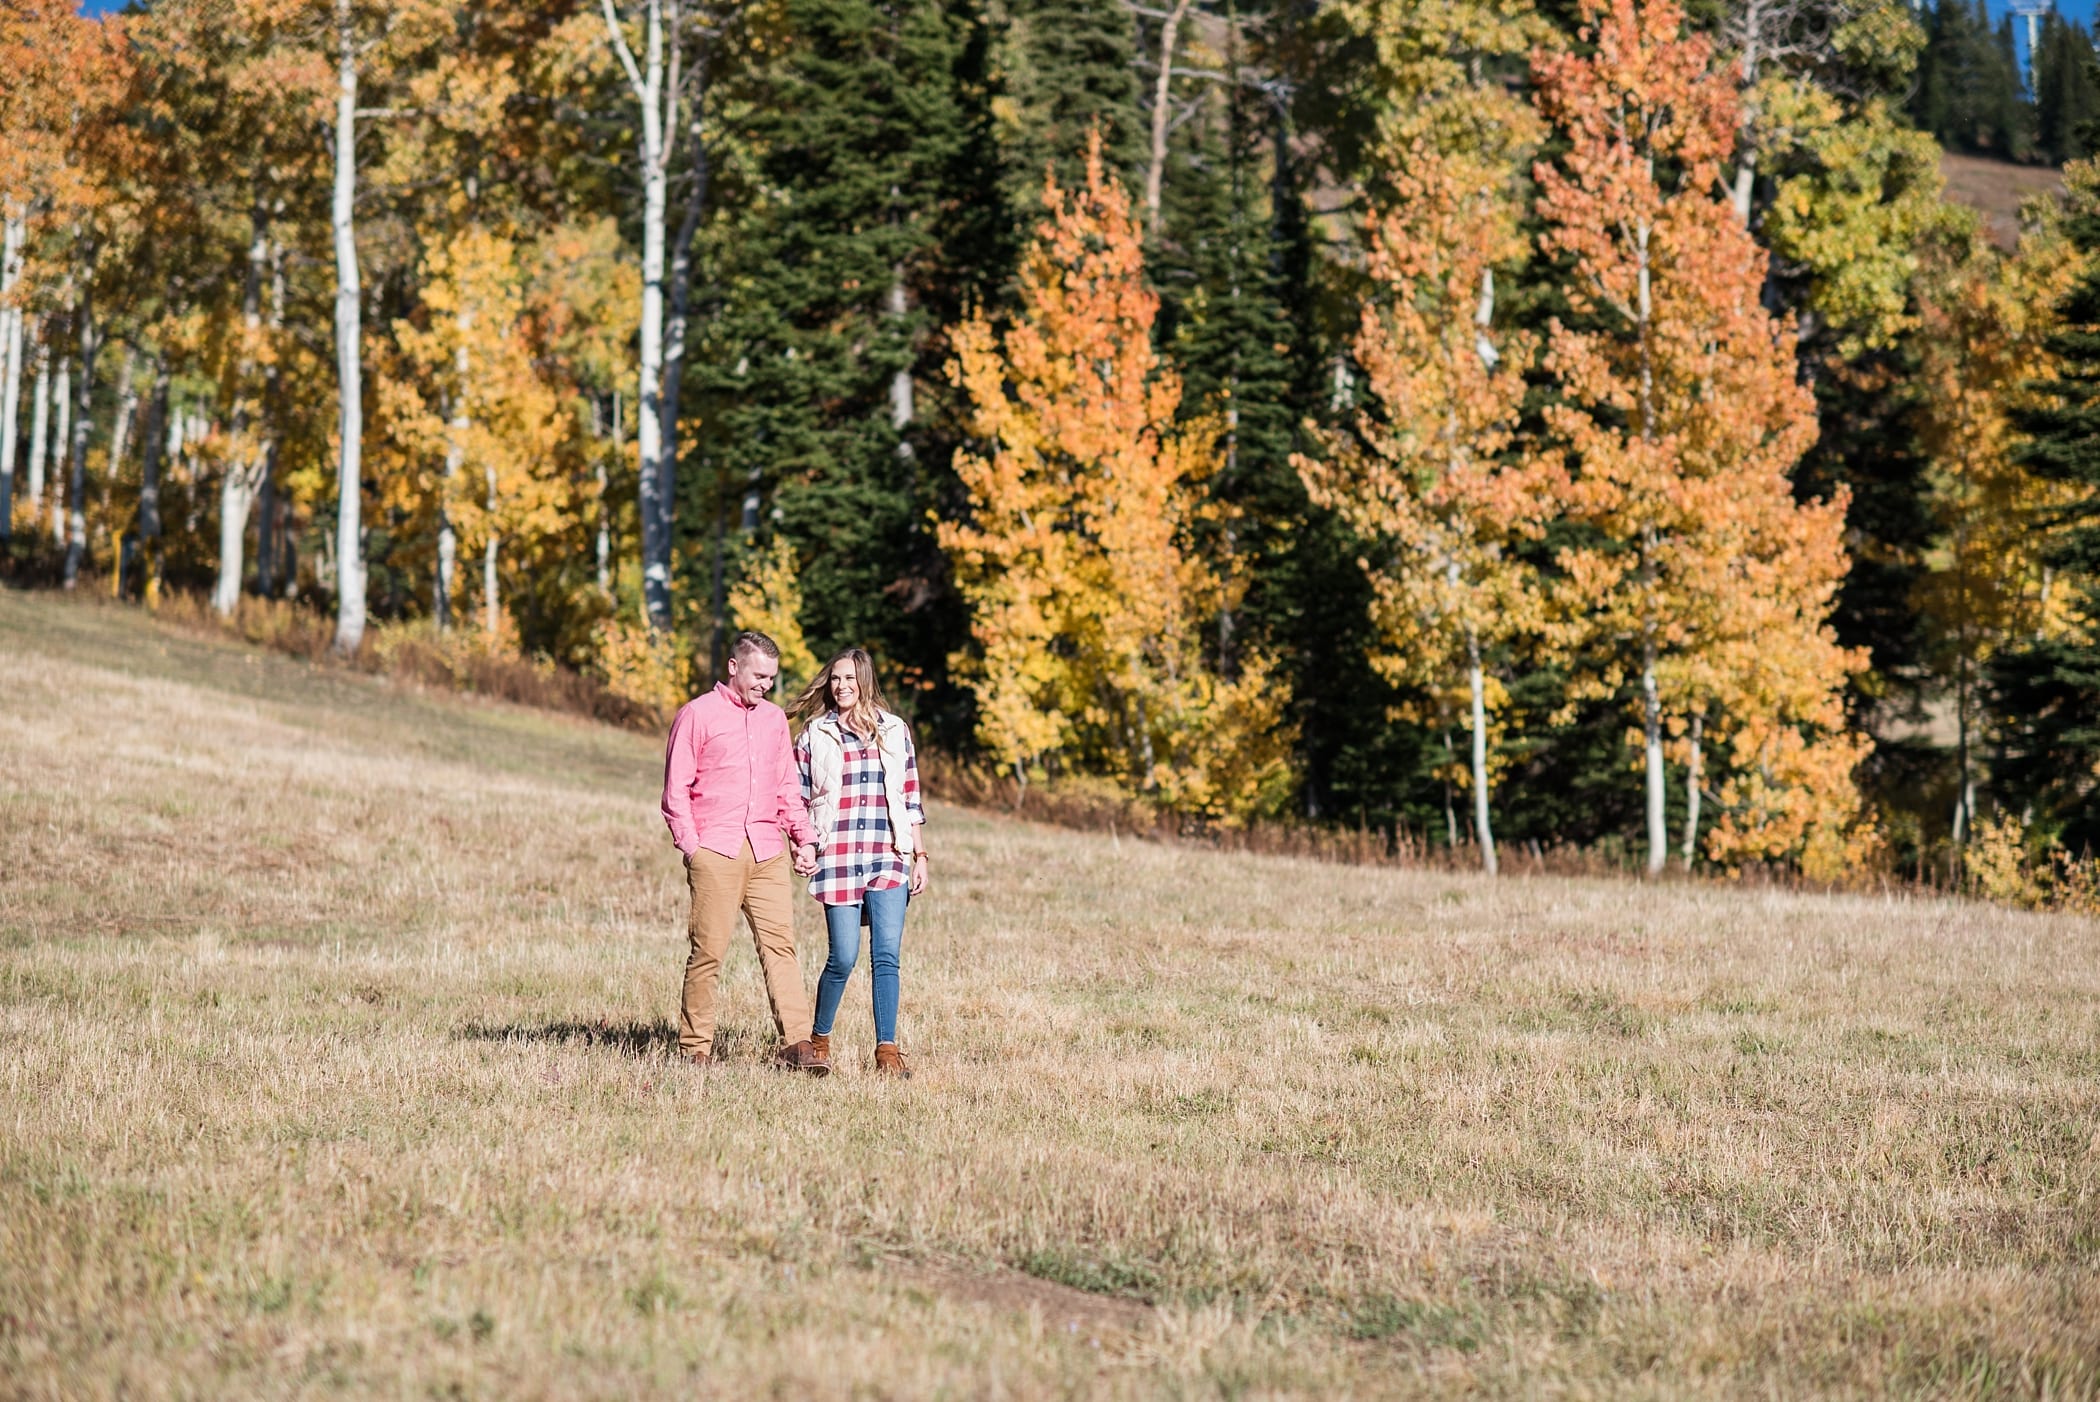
(839, 806)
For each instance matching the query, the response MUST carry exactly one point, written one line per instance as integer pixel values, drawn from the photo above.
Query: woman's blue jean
(885, 939)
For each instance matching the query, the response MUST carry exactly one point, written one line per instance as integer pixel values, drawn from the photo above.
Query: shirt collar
(731, 696)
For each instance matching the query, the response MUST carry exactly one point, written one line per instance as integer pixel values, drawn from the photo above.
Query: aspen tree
(1429, 481)
(667, 79)
(1681, 416)
(1088, 604)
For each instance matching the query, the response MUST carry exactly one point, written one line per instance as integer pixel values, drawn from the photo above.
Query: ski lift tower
(2029, 14)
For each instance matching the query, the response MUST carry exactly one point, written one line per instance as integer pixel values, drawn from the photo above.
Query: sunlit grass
(336, 1030)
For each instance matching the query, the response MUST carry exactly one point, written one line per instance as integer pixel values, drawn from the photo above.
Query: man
(730, 793)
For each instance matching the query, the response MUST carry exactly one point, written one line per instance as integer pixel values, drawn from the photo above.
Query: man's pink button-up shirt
(729, 778)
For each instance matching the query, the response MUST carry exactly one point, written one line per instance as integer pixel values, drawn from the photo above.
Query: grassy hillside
(334, 1037)
(1997, 190)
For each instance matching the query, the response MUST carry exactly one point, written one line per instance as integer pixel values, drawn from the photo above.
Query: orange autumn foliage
(1708, 585)
(1088, 601)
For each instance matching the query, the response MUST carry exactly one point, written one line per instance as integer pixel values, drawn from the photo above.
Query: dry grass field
(334, 1034)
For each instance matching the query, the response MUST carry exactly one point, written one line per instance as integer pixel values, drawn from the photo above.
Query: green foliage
(855, 130)
(1060, 69)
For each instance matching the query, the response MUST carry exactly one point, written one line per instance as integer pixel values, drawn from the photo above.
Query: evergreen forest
(1512, 424)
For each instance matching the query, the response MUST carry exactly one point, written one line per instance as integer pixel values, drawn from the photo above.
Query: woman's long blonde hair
(815, 699)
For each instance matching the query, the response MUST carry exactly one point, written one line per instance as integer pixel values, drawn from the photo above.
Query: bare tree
(1798, 35)
(1162, 91)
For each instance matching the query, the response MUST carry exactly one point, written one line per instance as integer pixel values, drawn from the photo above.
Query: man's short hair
(749, 642)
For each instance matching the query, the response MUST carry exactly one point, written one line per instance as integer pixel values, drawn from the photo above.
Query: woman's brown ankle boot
(890, 1062)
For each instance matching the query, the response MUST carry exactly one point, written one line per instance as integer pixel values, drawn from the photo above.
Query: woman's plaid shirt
(859, 854)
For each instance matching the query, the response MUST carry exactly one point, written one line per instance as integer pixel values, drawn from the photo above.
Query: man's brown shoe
(820, 1049)
(890, 1062)
(799, 1057)
(701, 1059)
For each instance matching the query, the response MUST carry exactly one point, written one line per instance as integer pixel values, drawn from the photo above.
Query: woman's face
(845, 684)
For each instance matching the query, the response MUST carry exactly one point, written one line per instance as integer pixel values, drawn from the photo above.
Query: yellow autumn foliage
(1088, 599)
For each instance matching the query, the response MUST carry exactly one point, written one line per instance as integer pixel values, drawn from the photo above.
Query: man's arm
(794, 813)
(681, 762)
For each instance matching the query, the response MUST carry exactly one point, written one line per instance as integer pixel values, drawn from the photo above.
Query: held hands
(806, 859)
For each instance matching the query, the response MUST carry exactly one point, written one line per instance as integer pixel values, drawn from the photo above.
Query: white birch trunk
(1483, 319)
(235, 497)
(119, 445)
(1691, 794)
(11, 240)
(491, 604)
(243, 473)
(1477, 677)
(447, 572)
(61, 435)
(269, 524)
(646, 80)
(349, 525)
(1746, 157)
(1651, 694)
(903, 405)
(150, 465)
(127, 410)
(39, 430)
(1450, 809)
(619, 434)
(455, 460)
(1162, 94)
(83, 402)
(1652, 756)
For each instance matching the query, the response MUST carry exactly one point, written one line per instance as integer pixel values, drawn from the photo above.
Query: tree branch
(618, 42)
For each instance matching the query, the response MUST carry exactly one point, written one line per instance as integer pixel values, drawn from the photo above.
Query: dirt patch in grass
(1062, 1307)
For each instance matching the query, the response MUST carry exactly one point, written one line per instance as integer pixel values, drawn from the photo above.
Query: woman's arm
(917, 811)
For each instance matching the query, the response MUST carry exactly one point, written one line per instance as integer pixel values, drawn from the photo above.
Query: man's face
(751, 676)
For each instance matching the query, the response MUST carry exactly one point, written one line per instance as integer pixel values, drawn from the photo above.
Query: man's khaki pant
(721, 887)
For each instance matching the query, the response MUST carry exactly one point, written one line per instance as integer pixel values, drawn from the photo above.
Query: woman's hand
(918, 872)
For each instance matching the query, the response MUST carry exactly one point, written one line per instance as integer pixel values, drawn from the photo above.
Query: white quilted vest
(827, 768)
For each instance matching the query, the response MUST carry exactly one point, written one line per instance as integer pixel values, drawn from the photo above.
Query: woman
(860, 777)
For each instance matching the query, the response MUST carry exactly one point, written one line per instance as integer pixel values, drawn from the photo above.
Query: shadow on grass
(653, 1041)
(645, 1041)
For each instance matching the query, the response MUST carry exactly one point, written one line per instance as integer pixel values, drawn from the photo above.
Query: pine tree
(2046, 694)
(1968, 88)
(1066, 68)
(2066, 90)
(810, 370)
(1227, 328)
